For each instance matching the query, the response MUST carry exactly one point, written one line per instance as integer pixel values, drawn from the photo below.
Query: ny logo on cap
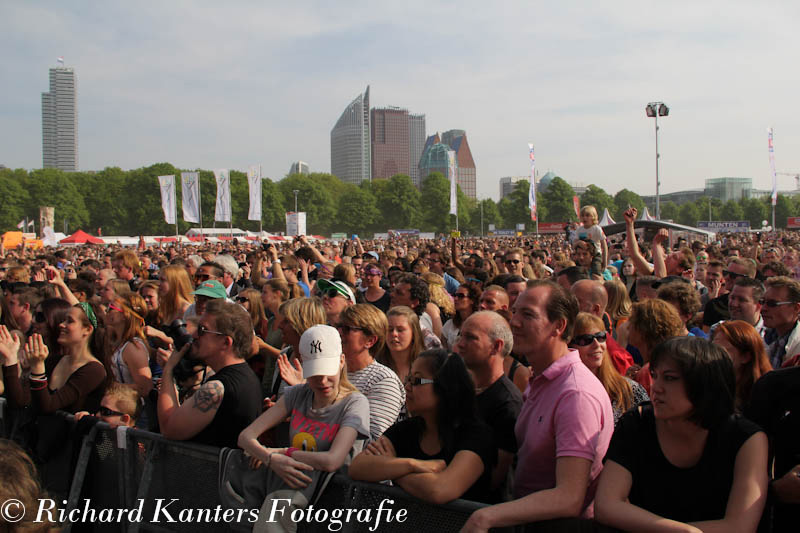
(316, 346)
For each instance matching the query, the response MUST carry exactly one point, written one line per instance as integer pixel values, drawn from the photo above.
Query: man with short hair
(437, 264)
(103, 277)
(208, 271)
(231, 399)
(780, 309)
(484, 342)
(571, 275)
(230, 273)
(514, 261)
(126, 266)
(744, 303)
(413, 292)
(566, 421)
(717, 308)
(493, 298)
(120, 406)
(21, 304)
(514, 286)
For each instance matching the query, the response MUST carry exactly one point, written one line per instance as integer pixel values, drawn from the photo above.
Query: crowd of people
(648, 384)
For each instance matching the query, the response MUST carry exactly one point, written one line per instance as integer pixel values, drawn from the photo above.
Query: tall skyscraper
(416, 145)
(60, 121)
(435, 160)
(350, 142)
(390, 142)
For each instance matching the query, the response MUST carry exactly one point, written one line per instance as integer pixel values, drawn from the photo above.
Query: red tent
(81, 237)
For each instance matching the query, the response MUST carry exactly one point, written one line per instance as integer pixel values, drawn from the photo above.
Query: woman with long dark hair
(443, 452)
(685, 462)
(47, 318)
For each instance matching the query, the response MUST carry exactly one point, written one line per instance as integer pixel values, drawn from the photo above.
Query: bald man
(593, 298)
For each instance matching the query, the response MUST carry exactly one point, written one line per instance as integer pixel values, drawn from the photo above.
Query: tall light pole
(296, 192)
(655, 110)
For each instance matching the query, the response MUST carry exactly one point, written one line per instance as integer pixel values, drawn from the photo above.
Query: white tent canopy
(606, 219)
(646, 215)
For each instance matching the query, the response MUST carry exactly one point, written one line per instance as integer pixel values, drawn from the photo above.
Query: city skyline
(573, 80)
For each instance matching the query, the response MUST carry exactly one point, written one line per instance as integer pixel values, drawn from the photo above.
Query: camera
(178, 333)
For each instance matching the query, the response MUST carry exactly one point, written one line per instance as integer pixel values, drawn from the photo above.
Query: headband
(89, 313)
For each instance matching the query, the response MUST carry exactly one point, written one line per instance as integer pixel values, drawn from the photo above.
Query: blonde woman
(618, 309)
(404, 341)
(174, 294)
(293, 318)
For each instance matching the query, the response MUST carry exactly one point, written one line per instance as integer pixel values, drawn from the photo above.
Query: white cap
(321, 350)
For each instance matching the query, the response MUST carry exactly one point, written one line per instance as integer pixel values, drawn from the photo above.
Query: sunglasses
(347, 329)
(513, 261)
(732, 275)
(105, 411)
(416, 382)
(588, 338)
(202, 277)
(460, 295)
(332, 293)
(772, 303)
(241, 299)
(202, 330)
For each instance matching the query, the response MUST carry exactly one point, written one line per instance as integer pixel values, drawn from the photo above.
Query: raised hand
(9, 346)
(36, 350)
(291, 371)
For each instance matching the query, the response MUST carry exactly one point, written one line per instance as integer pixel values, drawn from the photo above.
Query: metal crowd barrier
(117, 469)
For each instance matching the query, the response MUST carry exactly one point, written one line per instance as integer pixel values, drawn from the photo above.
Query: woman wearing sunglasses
(465, 302)
(130, 356)
(590, 341)
(374, 293)
(443, 452)
(685, 462)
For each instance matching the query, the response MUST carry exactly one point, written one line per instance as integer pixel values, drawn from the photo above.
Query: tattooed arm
(184, 421)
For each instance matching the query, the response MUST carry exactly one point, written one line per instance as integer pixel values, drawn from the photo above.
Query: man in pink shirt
(565, 424)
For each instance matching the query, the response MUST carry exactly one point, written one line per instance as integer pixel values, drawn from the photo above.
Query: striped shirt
(385, 393)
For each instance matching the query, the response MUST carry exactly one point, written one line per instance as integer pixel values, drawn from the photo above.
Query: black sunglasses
(347, 329)
(331, 293)
(772, 303)
(588, 338)
(514, 261)
(105, 411)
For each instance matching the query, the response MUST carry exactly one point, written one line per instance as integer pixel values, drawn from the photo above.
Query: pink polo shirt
(566, 412)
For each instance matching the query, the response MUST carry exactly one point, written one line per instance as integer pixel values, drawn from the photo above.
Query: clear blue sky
(230, 84)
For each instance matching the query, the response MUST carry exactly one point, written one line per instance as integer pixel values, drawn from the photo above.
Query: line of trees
(129, 203)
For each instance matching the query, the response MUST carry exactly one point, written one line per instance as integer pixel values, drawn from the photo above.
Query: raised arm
(659, 263)
(642, 267)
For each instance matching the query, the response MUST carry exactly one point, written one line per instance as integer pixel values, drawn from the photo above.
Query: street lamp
(655, 110)
(296, 192)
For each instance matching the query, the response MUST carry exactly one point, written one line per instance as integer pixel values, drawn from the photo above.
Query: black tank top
(241, 404)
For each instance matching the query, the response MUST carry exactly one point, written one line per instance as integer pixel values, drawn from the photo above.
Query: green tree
(398, 200)
(103, 194)
(669, 211)
(14, 197)
(313, 199)
(624, 199)
(514, 208)
(558, 201)
(783, 210)
(435, 205)
(272, 209)
(491, 215)
(731, 210)
(755, 211)
(142, 195)
(599, 198)
(357, 211)
(53, 187)
(688, 214)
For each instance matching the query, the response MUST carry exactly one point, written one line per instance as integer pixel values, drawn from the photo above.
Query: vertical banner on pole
(190, 196)
(222, 211)
(254, 181)
(451, 166)
(532, 189)
(772, 166)
(167, 186)
(576, 203)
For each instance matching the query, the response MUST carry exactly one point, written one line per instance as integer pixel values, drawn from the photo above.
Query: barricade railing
(131, 480)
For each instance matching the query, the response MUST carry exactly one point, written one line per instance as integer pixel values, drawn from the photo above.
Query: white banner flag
(222, 211)
(451, 165)
(167, 186)
(532, 187)
(771, 146)
(254, 181)
(190, 196)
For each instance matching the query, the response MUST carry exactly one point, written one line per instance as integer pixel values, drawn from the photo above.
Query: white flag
(532, 187)
(451, 165)
(222, 211)
(190, 196)
(21, 224)
(771, 146)
(167, 186)
(254, 181)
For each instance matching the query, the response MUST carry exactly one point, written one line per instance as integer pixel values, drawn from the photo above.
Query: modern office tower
(299, 167)
(509, 183)
(457, 140)
(350, 142)
(434, 159)
(390, 142)
(60, 121)
(416, 145)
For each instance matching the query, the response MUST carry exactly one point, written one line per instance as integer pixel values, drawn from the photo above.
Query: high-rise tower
(350, 142)
(60, 121)
(416, 144)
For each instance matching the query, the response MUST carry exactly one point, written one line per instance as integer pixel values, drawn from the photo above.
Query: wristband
(290, 451)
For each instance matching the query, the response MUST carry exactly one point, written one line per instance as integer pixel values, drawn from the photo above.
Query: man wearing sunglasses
(120, 406)
(780, 308)
(231, 399)
(514, 262)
